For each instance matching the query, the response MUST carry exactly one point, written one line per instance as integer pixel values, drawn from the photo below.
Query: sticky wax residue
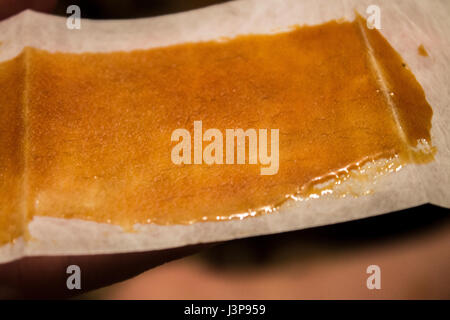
(422, 51)
(88, 136)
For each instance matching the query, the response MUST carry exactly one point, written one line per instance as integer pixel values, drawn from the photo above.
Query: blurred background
(105, 9)
(412, 247)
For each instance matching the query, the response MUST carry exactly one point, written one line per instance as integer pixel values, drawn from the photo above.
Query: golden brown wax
(88, 136)
(422, 51)
(12, 203)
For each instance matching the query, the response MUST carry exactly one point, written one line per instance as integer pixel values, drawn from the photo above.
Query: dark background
(120, 9)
